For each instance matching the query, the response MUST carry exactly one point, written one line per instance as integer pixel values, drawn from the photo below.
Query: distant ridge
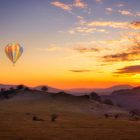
(5, 86)
(108, 90)
(77, 91)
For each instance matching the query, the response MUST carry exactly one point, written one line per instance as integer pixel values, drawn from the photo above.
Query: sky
(71, 43)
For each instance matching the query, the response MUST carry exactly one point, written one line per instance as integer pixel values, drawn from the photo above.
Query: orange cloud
(135, 24)
(113, 24)
(61, 5)
(80, 4)
(129, 56)
(132, 53)
(68, 7)
(108, 24)
(135, 69)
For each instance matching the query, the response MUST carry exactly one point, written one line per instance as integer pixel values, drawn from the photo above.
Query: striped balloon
(13, 51)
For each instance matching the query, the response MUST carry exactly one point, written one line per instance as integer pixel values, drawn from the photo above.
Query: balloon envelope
(13, 51)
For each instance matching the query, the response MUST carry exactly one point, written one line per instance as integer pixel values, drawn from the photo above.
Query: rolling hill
(128, 98)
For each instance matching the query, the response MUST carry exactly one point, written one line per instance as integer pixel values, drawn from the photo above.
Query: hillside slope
(59, 102)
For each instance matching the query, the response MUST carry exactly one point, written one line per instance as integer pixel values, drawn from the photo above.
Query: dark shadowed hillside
(128, 98)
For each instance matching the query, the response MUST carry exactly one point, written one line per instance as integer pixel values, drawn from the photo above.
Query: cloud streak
(85, 27)
(113, 24)
(66, 7)
(132, 53)
(80, 71)
(126, 13)
(129, 70)
(85, 49)
(86, 30)
(109, 9)
(130, 56)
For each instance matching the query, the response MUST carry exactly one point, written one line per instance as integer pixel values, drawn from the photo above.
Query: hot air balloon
(13, 51)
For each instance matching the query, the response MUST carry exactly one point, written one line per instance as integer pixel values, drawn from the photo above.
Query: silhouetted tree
(27, 89)
(85, 96)
(20, 87)
(95, 96)
(44, 88)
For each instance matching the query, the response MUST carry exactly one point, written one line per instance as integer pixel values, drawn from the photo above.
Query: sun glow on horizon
(75, 44)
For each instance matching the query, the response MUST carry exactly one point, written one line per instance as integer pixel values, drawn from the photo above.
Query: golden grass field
(16, 123)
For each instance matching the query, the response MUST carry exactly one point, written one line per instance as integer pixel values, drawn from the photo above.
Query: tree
(27, 89)
(44, 88)
(20, 87)
(95, 96)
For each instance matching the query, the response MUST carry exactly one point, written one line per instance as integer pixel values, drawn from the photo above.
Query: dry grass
(16, 124)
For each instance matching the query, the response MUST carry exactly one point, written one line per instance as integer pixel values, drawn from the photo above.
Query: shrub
(136, 118)
(35, 118)
(108, 102)
(106, 115)
(116, 116)
(54, 117)
(135, 112)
